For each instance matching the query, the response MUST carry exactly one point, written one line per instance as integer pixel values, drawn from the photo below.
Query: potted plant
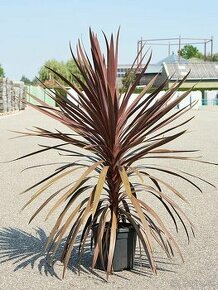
(116, 132)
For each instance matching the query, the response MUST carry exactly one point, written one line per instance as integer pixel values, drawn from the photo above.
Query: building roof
(173, 58)
(198, 71)
(154, 69)
(151, 69)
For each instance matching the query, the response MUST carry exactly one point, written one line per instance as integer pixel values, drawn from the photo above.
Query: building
(202, 78)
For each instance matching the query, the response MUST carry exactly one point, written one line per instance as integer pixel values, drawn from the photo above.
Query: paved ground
(22, 263)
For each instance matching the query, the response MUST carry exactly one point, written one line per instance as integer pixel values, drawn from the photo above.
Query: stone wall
(11, 96)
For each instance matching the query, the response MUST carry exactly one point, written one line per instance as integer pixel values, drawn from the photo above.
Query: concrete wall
(192, 96)
(11, 95)
(210, 98)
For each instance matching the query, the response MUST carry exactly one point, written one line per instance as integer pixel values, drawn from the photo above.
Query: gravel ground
(22, 263)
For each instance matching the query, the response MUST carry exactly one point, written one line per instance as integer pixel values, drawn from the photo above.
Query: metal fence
(40, 93)
(206, 102)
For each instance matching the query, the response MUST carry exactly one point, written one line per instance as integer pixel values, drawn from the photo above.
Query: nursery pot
(124, 248)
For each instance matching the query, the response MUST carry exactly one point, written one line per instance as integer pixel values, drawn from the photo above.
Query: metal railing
(206, 102)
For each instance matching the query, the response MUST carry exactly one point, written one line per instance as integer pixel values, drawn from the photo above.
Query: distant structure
(202, 75)
(177, 42)
(12, 95)
(152, 70)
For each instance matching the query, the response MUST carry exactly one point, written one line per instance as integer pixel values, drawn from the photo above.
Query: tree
(45, 74)
(73, 70)
(2, 73)
(35, 81)
(26, 80)
(189, 51)
(65, 69)
(214, 57)
(128, 79)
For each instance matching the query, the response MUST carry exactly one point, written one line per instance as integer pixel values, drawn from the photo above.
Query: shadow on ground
(24, 249)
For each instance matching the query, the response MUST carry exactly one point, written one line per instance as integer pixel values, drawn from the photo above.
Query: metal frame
(177, 41)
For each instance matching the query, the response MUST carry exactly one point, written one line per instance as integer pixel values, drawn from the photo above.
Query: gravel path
(22, 263)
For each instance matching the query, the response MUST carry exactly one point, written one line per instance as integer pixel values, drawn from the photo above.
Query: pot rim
(122, 227)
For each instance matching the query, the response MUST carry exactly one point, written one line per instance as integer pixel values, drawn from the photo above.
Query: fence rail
(206, 102)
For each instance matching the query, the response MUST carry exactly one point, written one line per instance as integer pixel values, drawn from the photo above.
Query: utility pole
(211, 46)
(179, 49)
(205, 50)
(169, 49)
(141, 53)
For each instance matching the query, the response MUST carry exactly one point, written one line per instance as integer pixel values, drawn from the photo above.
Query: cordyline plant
(117, 133)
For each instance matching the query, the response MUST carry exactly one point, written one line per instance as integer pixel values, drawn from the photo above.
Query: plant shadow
(25, 249)
(142, 267)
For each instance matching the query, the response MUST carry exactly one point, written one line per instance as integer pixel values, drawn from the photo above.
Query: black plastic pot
(124, 248)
